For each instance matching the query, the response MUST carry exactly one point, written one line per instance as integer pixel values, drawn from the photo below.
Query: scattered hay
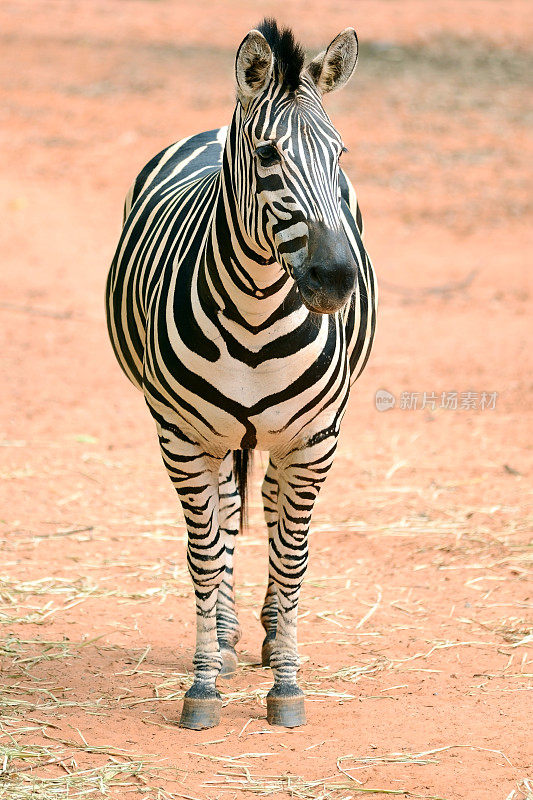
(523, 791)
(14, 592)
(362, 762)
(21, 778)
(335, 607)
(238, 777)
(27, 653)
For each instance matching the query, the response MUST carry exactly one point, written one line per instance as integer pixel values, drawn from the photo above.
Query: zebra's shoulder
(195, 155)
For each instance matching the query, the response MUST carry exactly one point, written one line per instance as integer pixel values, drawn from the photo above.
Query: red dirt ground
(416, 613)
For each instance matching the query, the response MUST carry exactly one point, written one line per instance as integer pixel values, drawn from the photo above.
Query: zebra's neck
(247, 285)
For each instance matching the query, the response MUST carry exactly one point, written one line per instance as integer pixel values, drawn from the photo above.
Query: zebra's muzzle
(326, 280)
(325, 289)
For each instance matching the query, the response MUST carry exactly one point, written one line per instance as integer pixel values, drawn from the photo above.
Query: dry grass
(21, 775)
(380, 633)
(523, 791)
(239, 777)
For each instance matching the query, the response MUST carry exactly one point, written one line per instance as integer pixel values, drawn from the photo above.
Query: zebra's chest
(244, 391)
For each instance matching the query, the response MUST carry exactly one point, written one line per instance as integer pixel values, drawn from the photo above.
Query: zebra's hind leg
(194, 475)
(300, 476)
(228, 630)
(269, 612)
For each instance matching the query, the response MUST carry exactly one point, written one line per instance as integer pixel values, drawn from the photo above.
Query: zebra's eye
(344, 150)
(268, 155)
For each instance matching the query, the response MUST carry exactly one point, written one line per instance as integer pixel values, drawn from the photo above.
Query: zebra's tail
(242, 464)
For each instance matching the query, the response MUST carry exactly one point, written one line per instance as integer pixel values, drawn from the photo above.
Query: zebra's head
(285, 160)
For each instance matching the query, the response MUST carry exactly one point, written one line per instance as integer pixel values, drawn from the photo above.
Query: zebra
(242, 303)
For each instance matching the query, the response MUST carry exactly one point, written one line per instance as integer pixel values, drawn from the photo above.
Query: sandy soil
(416, 614)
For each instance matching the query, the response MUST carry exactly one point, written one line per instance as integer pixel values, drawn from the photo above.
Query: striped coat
(242, 303)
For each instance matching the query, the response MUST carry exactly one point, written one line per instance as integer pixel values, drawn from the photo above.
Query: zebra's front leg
(269, 612)
(195, 477)
(228, 629)
(300, 477)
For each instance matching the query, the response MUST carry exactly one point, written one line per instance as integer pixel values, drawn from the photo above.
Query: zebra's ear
(253, 65)
(331, 69)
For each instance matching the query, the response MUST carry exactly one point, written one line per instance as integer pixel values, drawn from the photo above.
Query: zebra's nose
(327, 278)
(337, 278)
(325, 287)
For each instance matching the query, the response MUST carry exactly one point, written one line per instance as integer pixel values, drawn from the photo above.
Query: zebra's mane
(288, 54)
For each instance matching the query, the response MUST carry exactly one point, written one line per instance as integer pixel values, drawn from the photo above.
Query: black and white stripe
(242, 303)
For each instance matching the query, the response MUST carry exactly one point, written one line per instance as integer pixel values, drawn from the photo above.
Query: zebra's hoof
(200, 712)
(266, 651)
(229, 661)
(286, 711)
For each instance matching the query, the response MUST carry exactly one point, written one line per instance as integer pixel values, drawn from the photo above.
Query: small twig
(58, 535)
(371, 611)
(139, 662)
(244, 727)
